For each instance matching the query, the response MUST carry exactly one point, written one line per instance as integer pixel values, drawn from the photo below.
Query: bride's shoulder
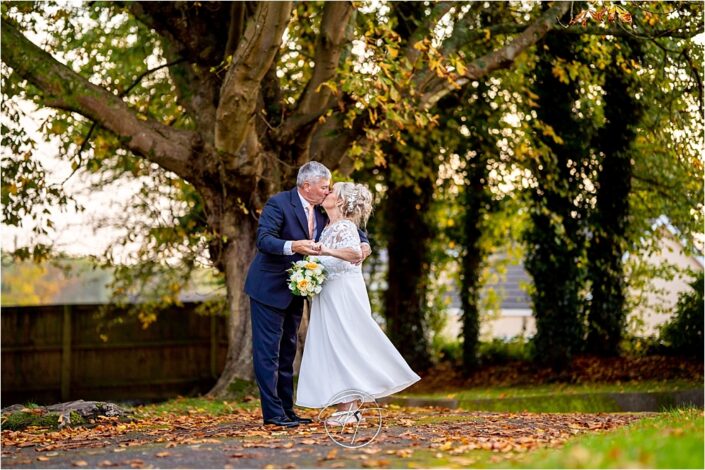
(347, 225)
(343, 224)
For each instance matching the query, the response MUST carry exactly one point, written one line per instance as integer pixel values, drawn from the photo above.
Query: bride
(345, 349)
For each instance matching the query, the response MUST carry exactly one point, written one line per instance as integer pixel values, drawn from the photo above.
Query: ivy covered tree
(556, 241)
(589, 203)
(606, 317)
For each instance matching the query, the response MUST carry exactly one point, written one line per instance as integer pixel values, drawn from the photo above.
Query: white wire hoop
(362, 407)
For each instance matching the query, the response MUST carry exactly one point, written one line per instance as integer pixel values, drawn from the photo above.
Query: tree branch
(423, 31)
(240, 90)
(317, 99)
(696, 74)
(437, 87)
(591, 30)
(196, 87)
(124, 93)
(64, 89)
(237, 25)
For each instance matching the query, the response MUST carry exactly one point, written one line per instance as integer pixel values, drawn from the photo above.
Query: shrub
(683, 334)
(446, 350)
(501, 351)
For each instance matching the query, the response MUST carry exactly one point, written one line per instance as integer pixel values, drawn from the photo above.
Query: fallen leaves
(382, 463)
(445, 433)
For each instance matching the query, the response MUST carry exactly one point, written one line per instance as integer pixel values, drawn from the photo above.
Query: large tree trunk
(237, 256)
(408, 235)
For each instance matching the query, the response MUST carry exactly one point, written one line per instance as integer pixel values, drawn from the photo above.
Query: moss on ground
(24, 419)
(239, 390)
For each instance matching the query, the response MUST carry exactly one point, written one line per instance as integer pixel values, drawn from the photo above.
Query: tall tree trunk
(607, 316)
(408, 236)
(237, 255)
(476, 197)
(477, 203)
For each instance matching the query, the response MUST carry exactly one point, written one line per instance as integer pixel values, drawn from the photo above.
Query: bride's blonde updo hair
(354, 202)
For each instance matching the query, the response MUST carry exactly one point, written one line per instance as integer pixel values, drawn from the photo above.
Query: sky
(76, 233)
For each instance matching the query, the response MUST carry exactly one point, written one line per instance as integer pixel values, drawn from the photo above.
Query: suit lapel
(299, 211)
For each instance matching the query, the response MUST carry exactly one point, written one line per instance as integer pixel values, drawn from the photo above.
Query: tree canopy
(214, 105)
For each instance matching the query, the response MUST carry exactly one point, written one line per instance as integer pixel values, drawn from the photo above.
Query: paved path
(406, 439)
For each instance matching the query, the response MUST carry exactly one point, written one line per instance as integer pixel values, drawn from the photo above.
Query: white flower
(306, 277)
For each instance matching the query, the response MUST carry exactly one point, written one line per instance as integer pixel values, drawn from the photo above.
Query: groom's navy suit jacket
(283, 218)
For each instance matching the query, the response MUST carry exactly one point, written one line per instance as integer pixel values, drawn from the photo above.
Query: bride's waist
(347, 273)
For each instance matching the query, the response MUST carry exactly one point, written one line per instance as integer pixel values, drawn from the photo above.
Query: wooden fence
(55, 352)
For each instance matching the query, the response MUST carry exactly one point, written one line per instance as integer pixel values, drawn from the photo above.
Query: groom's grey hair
(311, 172)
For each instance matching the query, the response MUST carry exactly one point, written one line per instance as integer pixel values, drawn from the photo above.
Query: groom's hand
(305, 247)
(365, 251)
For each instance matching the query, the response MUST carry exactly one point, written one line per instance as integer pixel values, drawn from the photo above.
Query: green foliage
(683, 334)
(164, 217)
(609, 218)
(556, 241)
(497, 351)
(445, 350)
(502, 351)
(667, 177)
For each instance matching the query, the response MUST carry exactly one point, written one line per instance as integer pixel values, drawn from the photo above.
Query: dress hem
(376, 395)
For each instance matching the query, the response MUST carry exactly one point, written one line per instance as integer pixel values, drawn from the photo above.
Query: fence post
(214, 348)
(66, 355)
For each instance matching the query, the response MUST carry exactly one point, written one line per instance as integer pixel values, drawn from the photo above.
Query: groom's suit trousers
(274, 349)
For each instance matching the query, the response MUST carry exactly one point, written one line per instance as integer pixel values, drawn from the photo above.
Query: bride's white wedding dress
(345, 349)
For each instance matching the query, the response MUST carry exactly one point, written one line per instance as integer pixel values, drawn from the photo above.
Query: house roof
(511, 287)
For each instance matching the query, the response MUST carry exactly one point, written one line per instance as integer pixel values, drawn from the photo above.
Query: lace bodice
(341, 234)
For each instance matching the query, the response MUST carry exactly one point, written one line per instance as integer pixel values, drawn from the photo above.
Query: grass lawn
(669, 440)
(184, 405)
(591, 397)
(480, 393)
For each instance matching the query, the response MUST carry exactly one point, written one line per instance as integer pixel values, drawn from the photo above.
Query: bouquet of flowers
(306, 277)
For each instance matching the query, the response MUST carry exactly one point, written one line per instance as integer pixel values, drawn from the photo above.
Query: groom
(288, 229)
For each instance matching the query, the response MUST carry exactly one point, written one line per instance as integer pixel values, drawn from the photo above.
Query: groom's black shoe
(294, 417)
(282, 421)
